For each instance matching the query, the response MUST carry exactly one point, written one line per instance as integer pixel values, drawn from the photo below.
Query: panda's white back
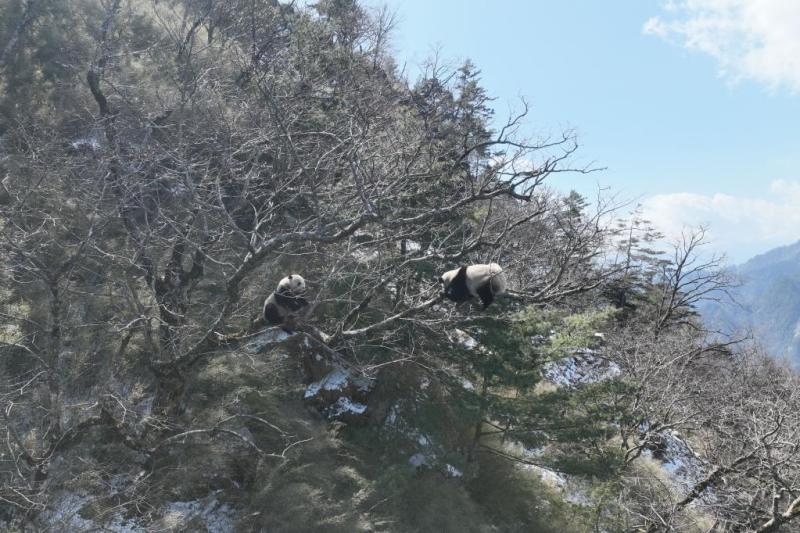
(492, 273)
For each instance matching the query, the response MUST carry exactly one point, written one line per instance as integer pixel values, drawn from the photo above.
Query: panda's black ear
(461, 277)
(290, 276)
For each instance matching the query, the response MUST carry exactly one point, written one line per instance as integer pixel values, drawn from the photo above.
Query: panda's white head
(293, 283)
(447, 278)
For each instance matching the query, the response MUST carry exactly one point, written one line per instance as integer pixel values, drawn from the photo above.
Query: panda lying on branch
(483, 281)
(282, 306)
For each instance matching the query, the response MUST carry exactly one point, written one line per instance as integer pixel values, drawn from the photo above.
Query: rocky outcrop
(336, 389)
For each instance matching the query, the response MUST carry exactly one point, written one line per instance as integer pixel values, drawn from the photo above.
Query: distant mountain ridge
(767, 302)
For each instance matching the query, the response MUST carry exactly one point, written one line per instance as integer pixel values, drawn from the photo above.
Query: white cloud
(739, 226)
(751, 39)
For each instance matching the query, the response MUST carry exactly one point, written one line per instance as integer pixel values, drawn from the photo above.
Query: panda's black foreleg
(272, 314)
(486, 295)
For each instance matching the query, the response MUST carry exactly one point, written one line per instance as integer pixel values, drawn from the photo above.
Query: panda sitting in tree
(286, 303)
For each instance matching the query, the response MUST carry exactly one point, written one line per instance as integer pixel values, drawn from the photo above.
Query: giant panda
(286, 302)
(483, 281)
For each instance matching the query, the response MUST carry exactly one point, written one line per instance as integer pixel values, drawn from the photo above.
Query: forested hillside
(165, 162)
(766, 302)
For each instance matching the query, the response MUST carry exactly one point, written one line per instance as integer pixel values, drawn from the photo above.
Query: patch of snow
(554, 479)
(411, 246)
(364, 256)
(582, 368)
(419, 459)
(85, 142)
(338, 379)
(680, 461)
(335, 380)
(312, 390)
(63, 515)
(345, 405)
(463, 339)
(452, 471)
(467, 384)
(261, 342)
(64, 512)
(218, 518)
(120, 524)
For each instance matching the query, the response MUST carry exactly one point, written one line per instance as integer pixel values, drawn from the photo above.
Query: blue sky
(692, 105)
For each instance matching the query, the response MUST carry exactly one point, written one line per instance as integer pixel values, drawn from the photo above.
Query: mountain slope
(767, 302)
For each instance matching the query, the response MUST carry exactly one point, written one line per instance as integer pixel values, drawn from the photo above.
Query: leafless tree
(690, 278)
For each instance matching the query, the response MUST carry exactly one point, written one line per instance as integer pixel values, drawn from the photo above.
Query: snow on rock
(88, 143)
(365, 256)
(411, 246)
(340, 395)
(463, 339)
(206, 514)
(429, 459)
(452, 471)
(335, 390)
(344, 406)
(261, 342)
(419, 460)
(550, 477)
(338, 380)
(63, 514)
(584, 367)
(679, 460)
(216, 517)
